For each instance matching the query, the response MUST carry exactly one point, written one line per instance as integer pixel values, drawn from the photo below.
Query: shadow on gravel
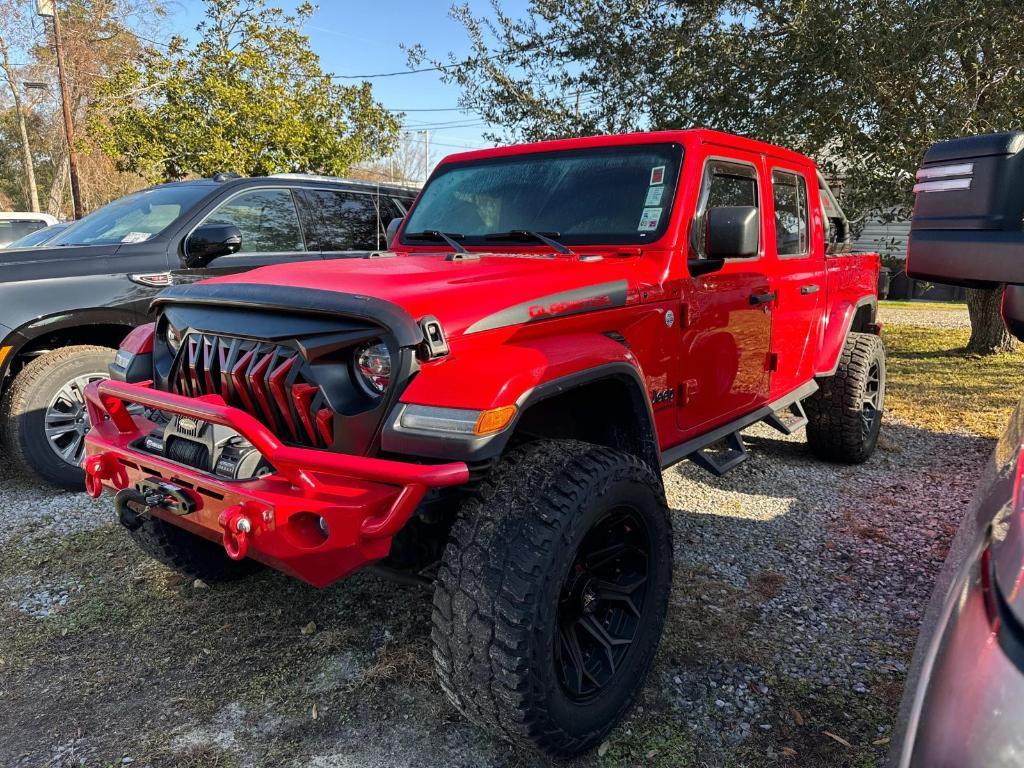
(797, 593)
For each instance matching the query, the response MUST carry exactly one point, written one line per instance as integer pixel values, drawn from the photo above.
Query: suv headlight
(373, 367)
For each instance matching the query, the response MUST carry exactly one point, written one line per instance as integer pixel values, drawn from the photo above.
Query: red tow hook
(238, 523)
(102, 467)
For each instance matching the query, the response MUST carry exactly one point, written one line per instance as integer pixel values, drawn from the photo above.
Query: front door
(724, 365)
(268, 219)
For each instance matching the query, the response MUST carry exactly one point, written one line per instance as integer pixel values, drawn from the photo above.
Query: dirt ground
(797, 592)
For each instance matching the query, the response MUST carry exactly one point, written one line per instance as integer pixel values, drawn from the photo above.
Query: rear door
(724, 356)
(268, 218)
(797, 230)
(347, 223)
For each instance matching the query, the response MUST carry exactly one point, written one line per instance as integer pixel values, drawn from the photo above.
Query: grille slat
(270, 382)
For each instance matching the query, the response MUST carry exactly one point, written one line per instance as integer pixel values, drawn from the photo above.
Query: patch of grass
(925, 305)
(934, 383)
(816, 726)
(767, 584)
(709, 619)
(652, 742)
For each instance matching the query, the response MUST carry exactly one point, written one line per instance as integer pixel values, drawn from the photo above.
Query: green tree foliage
(249, 96)
(863, 86)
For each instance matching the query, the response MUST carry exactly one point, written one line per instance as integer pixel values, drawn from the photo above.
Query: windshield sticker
(657, 175)
(135, 237)
(649, 220)
(653, 196)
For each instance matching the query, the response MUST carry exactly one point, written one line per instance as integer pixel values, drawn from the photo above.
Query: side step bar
(788, 426)
(720, 462)
(735, 452)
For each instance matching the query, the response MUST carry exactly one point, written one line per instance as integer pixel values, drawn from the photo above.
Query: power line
(432, 109)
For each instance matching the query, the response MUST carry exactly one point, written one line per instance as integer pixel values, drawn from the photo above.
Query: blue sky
(362, 36)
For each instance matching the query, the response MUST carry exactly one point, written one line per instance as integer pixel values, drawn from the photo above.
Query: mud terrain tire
(511, 601)
(55, 375)
(190, 554)
(845, 414)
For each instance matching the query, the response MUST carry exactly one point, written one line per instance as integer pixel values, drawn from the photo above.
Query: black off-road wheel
(189, 554)
(551, 597)
(844, 416)
(44, 416)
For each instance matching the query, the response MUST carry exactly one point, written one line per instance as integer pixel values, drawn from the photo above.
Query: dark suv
(65, 307)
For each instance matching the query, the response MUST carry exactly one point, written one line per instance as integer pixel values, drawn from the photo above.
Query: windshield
(607, 195)
(134, 218)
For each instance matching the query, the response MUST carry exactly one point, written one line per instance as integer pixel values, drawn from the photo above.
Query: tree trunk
(55, 204)
(26, 150)
(988, 332)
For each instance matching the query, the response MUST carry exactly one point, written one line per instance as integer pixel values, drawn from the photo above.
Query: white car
(17, 224)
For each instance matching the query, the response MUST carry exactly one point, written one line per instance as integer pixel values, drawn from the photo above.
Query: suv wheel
(44, 412)
(551, 598)
(844, 416)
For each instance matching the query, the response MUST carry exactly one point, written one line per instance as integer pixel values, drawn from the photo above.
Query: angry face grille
(271, 382)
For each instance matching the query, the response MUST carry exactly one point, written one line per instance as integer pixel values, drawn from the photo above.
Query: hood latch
(434, 344)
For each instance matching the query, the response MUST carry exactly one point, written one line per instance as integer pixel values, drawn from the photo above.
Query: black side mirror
(392, 231)
(732, 232)
(209, 241)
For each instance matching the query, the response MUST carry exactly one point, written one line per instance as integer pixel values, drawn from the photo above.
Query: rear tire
(844, 416)
(546, 614)
(48, 393)
(190, 554)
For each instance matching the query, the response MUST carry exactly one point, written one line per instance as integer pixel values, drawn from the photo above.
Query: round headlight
(173, 338)
(373, 365)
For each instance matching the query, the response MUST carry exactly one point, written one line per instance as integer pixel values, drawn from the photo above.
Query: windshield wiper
(548, 238)
(432, 234)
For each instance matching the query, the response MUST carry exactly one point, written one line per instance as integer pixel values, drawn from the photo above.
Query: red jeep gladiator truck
(490, 403)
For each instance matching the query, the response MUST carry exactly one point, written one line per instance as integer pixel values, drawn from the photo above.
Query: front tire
(551, 597)
(844, 417)
(45, 421)
(190, 554)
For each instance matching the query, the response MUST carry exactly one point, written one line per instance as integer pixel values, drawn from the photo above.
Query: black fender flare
(394, 439)
(28, 332)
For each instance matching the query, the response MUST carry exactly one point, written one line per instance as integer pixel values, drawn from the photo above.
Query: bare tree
(12, 25)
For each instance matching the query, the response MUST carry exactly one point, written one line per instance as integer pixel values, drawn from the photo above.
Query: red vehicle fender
(486, 378)
(838, 324)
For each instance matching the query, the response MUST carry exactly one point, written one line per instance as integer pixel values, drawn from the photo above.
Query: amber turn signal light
(494, 420)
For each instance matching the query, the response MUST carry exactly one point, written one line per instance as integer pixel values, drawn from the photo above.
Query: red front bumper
(273, 519)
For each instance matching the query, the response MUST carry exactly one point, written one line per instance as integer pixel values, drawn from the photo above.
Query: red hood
(459, 293)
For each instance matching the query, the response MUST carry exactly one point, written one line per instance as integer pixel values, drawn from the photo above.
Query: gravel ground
(798, 591)
(953, 317)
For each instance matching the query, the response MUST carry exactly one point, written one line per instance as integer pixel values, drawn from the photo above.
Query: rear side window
(725, 184)
(266, 218)
(346, 221)
(789, 191)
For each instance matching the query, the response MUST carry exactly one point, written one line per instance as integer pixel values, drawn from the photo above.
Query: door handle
(812, 288)
(762, 298)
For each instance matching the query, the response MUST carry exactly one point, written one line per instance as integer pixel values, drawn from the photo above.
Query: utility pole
(426, 155)
(49, 8)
